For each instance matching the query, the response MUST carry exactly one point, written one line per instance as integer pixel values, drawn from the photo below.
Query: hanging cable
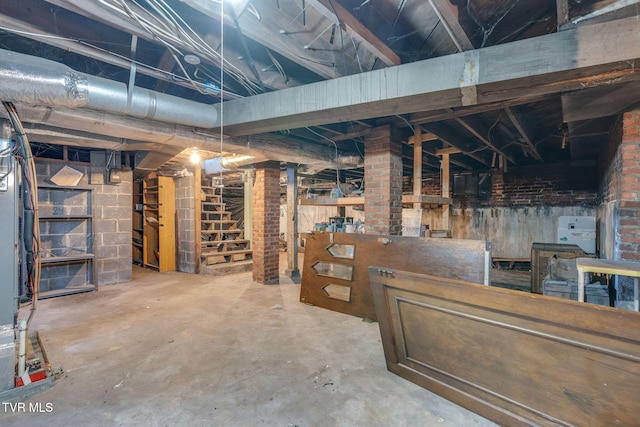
(31, 220)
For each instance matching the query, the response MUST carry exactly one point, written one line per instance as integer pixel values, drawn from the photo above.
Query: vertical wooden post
(248, 205)
(417, 166)
(562, 12)
(292, 224)
(445, 190)
(197, 211)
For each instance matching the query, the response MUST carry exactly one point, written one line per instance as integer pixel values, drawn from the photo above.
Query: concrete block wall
(112, 225)
(266, 223)
(383, 178)
(185, 207)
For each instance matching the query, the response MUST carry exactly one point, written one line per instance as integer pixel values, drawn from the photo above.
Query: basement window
(472, 185)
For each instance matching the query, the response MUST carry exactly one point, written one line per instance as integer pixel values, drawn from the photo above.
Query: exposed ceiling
(177, 48)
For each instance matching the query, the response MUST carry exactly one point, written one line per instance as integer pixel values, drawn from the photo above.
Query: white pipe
(22, 346)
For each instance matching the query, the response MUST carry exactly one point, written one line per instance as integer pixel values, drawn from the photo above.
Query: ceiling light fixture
(192, 59)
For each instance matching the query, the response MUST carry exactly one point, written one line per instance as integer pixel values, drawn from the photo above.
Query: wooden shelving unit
(159, 230)
(66, 241)
(137, 225)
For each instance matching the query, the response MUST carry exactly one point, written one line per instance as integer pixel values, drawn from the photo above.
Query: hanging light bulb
(195, 156)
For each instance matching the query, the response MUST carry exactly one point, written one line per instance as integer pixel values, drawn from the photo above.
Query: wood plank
(525, 68)
(167, 228)
(327, 201)
(448, 150)
(519, 126)
(448, 15)
(359, 32)
(513, 357)
(453, 258)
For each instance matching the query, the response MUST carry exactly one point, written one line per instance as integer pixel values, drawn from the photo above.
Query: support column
(248, 204)
(627, 228)
(446, 190)
(197, 211)
(292, 224)
(266, 223)
(383, 181)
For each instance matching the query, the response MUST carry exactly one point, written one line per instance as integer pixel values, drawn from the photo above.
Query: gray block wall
(185, 205)
(112, 224)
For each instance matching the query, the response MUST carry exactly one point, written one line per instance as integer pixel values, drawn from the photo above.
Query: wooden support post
(197, 209)
(292, 224)
(445, 190)
(248, 205)
(417, 166)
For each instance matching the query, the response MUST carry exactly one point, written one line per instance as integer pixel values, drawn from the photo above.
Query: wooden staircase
(223, 243)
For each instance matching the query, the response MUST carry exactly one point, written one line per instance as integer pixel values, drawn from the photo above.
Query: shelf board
(426, 200)
(67, 259)
(67, 291)
(359, 201)
(327, 201)
(65, 217)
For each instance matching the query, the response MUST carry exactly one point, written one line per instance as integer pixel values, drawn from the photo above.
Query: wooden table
(603, 266)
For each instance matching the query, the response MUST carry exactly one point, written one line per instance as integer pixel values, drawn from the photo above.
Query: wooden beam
(523, 133)
(448, 15)
(448, 150)
(333, 10)
(562, 13)
(527, 68)
(424, 137)
(480, 135)
(448, 137)
(167, 62)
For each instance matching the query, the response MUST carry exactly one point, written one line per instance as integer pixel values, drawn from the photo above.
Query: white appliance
(578, 230)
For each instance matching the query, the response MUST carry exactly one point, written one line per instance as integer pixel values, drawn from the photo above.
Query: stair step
(219, 243)
(227, 253)
(236, 231)
(216, 212)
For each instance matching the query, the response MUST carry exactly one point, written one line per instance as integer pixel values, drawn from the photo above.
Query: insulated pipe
(22, 346)
(37, 81)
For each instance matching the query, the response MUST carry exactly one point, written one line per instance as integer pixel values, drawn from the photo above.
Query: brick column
(383, 181)
(627, 245)
(266, 223)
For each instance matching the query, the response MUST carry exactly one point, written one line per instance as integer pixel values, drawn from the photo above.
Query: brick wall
(185, 207)
(112, 223)
(548, 185)
(620, 189)
(383, 177)
(266, 223)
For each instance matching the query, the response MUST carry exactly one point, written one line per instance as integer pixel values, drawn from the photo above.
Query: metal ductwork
(51, 97)
(37, 81)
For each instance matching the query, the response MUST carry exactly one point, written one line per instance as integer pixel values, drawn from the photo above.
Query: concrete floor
(178, 349)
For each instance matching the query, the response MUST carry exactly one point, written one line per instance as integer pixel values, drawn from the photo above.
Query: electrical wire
(30, 204)
(336, 147)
